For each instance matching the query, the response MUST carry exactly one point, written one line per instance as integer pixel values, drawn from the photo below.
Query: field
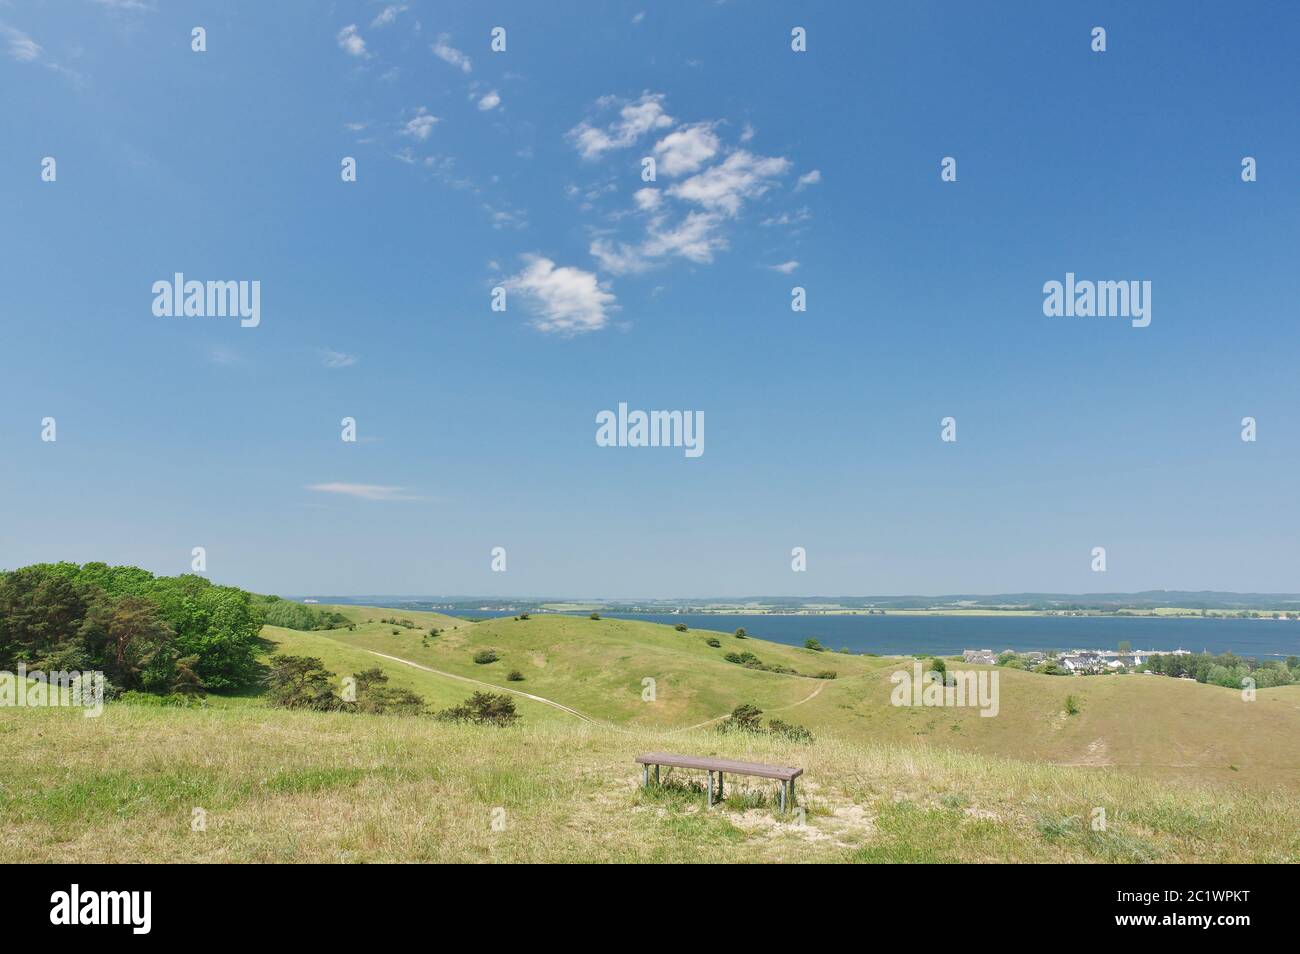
(1185, 772)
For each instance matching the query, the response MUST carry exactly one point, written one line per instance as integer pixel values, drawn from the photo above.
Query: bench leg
(710, 790)
(721, 795)
(792, 793)
(783, 798)
(645, 776)
(656, 775)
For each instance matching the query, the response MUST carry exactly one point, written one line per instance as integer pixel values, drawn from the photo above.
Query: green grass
(1163, 728)
(310, 787)
(1186, 772)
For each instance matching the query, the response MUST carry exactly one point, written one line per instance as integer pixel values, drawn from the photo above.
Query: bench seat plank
(781, 772)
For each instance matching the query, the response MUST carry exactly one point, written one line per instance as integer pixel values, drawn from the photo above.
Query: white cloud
(490, 101)
(338, 359)
(636, 20)
(351, 42)
(449, 54)
(808, 178)
(420, 126)
(363, 491)
(648, 199)
(695, 238)
(388, 14)
(747, 133)
(567, 300)
(797, 217)
(785, 268)
(726, 186)
(685, 150)
(635, 120)
(21, 47)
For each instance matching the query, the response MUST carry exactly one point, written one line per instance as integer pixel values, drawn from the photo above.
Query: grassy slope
(1158, 726)
(297, 786)
(1186, 772)
(343, 660)
(597, 666)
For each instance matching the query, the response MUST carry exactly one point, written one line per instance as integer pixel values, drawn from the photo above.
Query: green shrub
(746, 717)
(788, 730)
(485, 656)
(741, 634)
(680, 627)
(515, 676)
(1071, 705)
(712, 642)
(812, 643)
(482, 708)
(594, 616)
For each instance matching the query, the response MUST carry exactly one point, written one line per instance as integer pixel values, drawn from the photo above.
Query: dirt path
(821, 684)
(488, 685)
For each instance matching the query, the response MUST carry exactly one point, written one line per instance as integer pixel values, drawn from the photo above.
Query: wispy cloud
(421, 125)
(225, 357)
(387, 15)
(565, 300)
(444, 51)
(19, 46)
(696, 237)
(689, 218)
(364, 491)
(490, 101)
(807, 179)
(137, 5)
(785, 268)
(338, 359)
(635, 119)
(728, 185)
(351, 42)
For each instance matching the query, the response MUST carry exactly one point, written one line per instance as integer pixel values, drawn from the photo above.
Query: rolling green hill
(1184, 771)
(1146, 724)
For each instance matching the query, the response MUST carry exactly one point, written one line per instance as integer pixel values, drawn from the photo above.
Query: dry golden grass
(305, 787)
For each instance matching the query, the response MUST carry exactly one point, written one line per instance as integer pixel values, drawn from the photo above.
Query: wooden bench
(784, 774)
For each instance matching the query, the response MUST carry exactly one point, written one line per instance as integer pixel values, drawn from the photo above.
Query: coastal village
(1078, 662)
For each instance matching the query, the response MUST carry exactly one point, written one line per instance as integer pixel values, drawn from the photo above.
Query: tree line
(1228, 669)
(180, 634)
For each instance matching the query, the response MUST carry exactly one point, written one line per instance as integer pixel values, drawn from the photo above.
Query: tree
(185, 681)
(41, 609)
(132, 642)
(301, 682)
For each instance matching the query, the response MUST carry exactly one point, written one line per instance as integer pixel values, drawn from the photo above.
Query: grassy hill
(1165, 728)
(306, 787)
(1185, 771)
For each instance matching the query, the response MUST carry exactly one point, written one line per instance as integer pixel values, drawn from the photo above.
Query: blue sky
(522, 169)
